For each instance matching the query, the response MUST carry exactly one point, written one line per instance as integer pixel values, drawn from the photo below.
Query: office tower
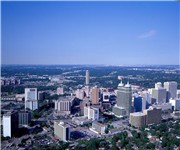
(24, 118)
(146, 96)
(159, 93)
(178, 94)
(153, 115)
(98, 127)
(171, 88)
(158, 85)
(41, 95)
(139, 103)
(95, 95)
(60, 90)
(63, 106)
(124, 100)
(87, 77)
(62, 131)
(175, 103)
(91, 113)
(10, 124)
(138, 119)
(31, 101)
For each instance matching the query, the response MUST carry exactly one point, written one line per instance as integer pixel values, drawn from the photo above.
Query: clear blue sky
(90, 32)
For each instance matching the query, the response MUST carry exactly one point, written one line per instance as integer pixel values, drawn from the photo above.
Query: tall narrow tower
(87, 77)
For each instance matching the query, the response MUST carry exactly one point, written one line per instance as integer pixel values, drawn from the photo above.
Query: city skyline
(90, 33)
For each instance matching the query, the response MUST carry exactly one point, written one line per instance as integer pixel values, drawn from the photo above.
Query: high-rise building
(10, 124)
(148, 116)
(159, 93)
(175, 103)
(91, 113)
(62, 131)
(124, 100)
(87, 77)
(41, 95)
(24, 118)
(63, 106)
(31, 101)
(139, 103)
(153, 115)
(171, 88)
(95, 95)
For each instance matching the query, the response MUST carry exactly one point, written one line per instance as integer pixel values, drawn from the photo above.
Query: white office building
(31, 101)
(175, 103)
(62, 131)
(91, 113)
(171, 88)
(159, 93)
(10, 124)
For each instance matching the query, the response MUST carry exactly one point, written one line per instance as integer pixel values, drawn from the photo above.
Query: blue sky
(90, 33)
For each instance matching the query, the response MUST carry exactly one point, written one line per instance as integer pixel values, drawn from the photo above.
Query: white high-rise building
(91, 113)
(159, 93)
(31, 101)
(87, 77)
(62, 131)
(10, 124)
(175, 103)
(171, 88)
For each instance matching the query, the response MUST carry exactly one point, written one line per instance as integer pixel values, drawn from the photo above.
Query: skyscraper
(171, 88)
(31, 101)
(95, 95)
(10, 124)
(124, 100)
(87, 77)
(159, 93)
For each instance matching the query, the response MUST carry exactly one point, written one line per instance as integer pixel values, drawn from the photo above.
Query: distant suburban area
(90, 107)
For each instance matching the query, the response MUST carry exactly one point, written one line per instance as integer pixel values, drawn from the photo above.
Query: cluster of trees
(92, 144)
(60, 146)
(168, 133)
(39, 112)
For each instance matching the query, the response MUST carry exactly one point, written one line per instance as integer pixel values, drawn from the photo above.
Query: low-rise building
(98, 127)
